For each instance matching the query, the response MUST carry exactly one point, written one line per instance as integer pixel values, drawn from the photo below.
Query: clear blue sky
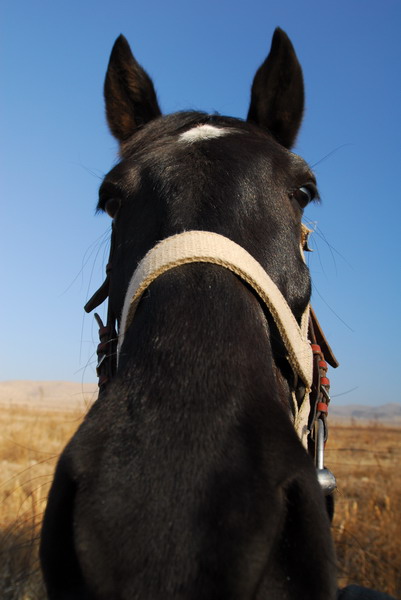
(203, 55)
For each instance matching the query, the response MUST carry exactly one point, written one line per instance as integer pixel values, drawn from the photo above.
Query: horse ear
(129, 93)
(277, 98)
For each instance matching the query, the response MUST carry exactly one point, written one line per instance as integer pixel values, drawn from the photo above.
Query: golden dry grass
(367, 524)
(30, 442)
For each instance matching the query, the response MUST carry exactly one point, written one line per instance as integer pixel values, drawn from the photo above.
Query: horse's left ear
(277, 99)
(128, 91)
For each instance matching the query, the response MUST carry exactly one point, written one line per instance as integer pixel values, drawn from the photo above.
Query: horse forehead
(160, 146)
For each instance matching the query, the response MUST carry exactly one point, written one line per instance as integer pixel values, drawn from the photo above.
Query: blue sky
(56, 147)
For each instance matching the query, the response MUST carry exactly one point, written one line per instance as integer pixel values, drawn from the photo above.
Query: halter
(303, 342)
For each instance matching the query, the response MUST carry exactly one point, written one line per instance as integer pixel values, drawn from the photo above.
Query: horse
(187, 478)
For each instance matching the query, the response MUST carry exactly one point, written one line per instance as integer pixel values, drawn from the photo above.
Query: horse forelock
(176, 126)
(203, 132)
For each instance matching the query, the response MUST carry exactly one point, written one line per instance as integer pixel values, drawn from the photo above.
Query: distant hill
(48, 394)
(67, 394)
(387, 413)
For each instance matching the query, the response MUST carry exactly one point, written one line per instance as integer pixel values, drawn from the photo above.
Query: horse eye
(305, 194)
(111, 206)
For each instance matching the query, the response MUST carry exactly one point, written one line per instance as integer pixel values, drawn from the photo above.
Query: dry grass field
(30, 442)
(367, 525)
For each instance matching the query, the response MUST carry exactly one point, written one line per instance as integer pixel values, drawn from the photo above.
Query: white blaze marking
(203, 132)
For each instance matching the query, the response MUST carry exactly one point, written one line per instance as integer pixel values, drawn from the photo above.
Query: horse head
(187, 478)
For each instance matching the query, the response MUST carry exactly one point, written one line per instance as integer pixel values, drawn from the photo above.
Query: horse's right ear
(129, 93)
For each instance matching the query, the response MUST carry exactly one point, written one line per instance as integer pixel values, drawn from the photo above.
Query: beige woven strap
(205, 246)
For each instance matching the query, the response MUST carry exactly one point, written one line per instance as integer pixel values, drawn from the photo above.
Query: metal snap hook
(325, 477)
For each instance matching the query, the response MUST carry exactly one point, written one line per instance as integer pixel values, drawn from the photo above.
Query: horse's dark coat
(187, 479)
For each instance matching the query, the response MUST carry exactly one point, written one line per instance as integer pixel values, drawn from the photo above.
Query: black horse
(187, 479)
